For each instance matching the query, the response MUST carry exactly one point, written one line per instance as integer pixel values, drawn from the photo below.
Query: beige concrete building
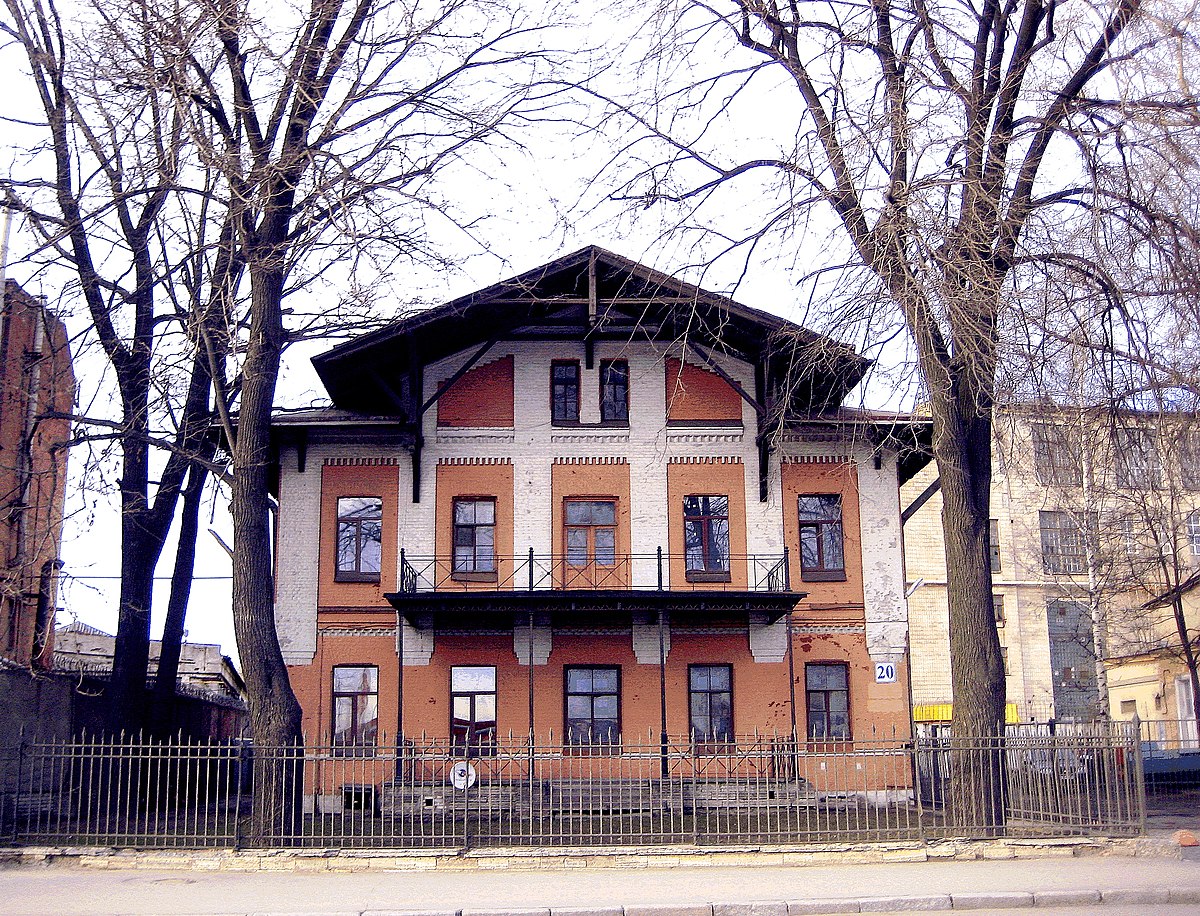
(202, 667)
(1094, 516)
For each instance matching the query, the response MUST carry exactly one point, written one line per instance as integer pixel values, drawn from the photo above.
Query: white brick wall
(533, 445)
(883, 560)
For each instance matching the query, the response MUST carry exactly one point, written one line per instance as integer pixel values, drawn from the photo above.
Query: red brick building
(589, 503)
(36, 379)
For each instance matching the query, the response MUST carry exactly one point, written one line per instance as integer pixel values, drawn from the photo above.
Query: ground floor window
(593, 705)
(710, 702)
(473, 708)
(827, 691)
(355, 706)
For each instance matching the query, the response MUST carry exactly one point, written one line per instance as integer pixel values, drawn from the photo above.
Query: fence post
(237, 803)
(915, 764)
(1139, 776)
(16, 795)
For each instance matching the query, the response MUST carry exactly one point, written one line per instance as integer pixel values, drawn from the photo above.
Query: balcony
(629, 572)
(569, 586)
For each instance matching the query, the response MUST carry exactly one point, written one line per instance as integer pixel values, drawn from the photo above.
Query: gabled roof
(589, 295)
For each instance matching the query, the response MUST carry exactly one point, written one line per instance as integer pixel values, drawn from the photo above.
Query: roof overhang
(589, 295)
(909, 436)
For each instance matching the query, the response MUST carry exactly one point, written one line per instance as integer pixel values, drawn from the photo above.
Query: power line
(159, 578)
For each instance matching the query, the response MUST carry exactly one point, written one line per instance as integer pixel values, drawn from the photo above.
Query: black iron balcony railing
(617, 572)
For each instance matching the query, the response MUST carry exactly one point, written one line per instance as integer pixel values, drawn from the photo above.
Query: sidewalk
(1086, 884)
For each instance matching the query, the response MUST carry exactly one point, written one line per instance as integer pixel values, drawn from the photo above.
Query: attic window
(564, 391)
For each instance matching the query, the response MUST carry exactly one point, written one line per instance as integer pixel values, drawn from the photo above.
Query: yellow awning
(943, 712)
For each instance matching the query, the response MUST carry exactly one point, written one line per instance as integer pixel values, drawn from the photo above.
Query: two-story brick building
(589, 502)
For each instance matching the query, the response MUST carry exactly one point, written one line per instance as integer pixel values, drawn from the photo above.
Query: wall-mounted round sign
(463, 775)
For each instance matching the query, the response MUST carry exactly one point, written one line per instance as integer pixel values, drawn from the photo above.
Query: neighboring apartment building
(1095, 515)
(588, 502)
(36, 379)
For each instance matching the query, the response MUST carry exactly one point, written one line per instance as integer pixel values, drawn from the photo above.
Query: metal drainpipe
(5, 234)
(25, 456)
(662, 678)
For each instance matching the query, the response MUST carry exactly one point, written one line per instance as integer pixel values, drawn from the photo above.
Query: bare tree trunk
(275, 717)
(962, 446)
(1189, 655)
(162, 715)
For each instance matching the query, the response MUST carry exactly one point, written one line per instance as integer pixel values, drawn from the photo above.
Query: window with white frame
(1193, 532)
(1064, 543)
(1139, 465)
(1056, 456)
(475, 536)
(1188, 456)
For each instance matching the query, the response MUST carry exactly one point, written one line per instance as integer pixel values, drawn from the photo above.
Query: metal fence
(427, 793)
(1168, 738)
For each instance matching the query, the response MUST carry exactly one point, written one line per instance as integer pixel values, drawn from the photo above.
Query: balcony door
(590, 544)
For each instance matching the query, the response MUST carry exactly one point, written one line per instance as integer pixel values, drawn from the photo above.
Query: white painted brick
(882, 559)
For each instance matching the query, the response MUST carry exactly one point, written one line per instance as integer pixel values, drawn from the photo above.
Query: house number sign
(885, 673)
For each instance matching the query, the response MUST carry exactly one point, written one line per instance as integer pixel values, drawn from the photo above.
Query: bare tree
(328, 126)
(107, 167)
(949, 151)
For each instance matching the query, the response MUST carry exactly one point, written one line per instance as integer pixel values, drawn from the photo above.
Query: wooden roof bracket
(755, 403)
(764, 435)
(416, 378)
(459, 373)
(416, 390)
(921, 500)
(589, 344)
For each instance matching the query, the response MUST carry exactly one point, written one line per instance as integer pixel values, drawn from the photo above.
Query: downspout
(5, 235)
(25, 456)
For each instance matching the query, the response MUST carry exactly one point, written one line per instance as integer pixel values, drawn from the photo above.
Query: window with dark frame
(822, 551)
(473, 709)
(998, 609)
(564, 391)
(475, 537)
(994, 543)
(355, 706)
(359, 539)
(827, 695)
(614, 391)
(710, 703)
(590, 530)
(592, 697)
(706, 538)
(1056, 456)
(1064, 544)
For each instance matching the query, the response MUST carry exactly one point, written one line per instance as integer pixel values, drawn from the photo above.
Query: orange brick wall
(695, 395)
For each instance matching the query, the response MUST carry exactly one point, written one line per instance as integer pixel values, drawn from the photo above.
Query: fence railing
(427, 793)
(1165, 738)
(640, 571)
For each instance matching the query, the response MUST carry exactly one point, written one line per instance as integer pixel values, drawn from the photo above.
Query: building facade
(587, 504)
(1095, 531)
(36, 382)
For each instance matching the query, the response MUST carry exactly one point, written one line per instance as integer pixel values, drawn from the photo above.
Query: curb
(921, 903)
(318, 859)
